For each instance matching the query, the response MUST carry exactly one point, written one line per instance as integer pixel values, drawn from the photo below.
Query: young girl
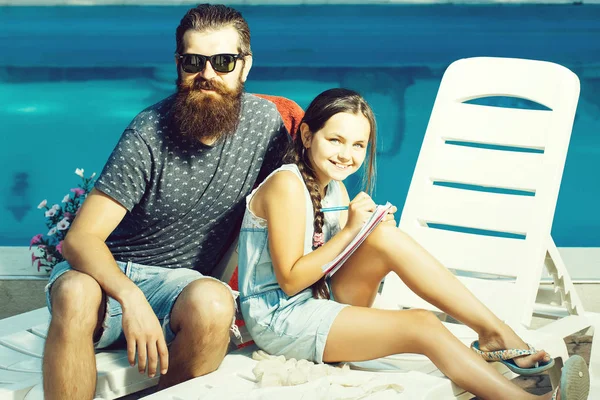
(291, 308)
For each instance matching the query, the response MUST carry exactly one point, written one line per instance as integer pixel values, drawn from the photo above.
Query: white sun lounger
(484, 191)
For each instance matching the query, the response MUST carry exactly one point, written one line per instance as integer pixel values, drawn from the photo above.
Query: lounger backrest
(485, 186)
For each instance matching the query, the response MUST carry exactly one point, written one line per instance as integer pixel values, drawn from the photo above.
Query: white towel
(322, 381)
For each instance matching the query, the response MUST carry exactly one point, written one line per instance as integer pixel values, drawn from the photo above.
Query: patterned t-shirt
(185, 199)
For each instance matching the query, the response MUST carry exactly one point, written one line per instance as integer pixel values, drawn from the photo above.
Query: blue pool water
(71, 78)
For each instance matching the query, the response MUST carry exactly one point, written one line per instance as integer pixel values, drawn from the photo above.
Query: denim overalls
(296, 326)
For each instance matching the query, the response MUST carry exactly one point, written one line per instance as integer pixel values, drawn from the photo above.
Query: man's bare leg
(69, 365)
(200, 319)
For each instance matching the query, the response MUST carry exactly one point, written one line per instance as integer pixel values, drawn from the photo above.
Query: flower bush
(47, 248)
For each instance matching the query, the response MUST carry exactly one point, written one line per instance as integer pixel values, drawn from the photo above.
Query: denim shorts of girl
(161, 286)
(296, 327)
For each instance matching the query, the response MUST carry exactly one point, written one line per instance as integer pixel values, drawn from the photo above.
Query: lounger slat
(485, 167)
(24, 342)
(24, 321)
(9, 356)
(10, 377)
(32, 364)
(493, 125)
(40, 330)
(475, 253)
(479, 210)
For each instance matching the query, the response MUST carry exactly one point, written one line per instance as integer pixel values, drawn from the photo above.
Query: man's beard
(207, 117)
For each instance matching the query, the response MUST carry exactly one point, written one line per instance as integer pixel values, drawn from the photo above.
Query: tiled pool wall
(71, 78)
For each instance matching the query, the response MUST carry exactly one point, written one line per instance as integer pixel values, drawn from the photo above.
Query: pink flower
(50, 213)
(62, 224)
(78, 191)
(33, 258)
(59, 247)
(35, 240)
(318, 239)
(42, 204)
(68, 215)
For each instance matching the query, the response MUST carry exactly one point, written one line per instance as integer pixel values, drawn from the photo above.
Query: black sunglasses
(194, 63)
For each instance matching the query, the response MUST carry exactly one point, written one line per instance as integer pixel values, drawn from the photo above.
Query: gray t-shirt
(185, 200)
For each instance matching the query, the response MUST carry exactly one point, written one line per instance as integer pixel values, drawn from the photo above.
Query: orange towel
(291, 112)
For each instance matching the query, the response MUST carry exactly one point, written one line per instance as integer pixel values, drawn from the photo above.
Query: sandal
(574, 380)
(507, 357)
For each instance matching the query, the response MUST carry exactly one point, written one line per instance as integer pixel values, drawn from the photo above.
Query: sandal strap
(507, 354)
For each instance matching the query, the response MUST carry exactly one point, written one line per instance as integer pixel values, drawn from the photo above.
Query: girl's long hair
(323, 107)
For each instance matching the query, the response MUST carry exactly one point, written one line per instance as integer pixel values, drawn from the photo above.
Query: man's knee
(77, 297)
(204, 304)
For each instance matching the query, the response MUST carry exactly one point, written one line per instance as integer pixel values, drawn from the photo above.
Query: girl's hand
(389, 218)
(360, 210)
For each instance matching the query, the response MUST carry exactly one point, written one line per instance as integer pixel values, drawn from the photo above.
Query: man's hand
(144, 334)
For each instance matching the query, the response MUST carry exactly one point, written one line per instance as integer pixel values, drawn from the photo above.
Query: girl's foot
(510, 340)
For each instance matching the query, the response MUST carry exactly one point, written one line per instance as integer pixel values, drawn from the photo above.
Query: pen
(338, 208)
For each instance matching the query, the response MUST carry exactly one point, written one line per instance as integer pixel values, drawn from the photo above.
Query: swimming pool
(71, 78)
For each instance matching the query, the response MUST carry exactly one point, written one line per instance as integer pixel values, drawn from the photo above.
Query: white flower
(66, 198)
(93, 175)
(79, 172)
(56, 207)
(62, 224)
(42, 204)
(51, 232)
(50, 213)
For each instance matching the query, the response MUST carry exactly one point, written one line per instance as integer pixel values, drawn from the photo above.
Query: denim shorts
(296, 326)
(161, 286)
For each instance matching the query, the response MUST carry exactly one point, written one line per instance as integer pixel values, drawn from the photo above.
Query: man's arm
(86, 251)
(85, 248)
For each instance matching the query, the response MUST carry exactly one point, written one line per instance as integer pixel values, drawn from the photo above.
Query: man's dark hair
(211, 17)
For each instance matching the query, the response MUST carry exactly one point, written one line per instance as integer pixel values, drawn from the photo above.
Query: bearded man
(140, 253)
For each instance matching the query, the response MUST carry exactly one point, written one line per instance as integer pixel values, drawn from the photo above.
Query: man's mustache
(205, 84)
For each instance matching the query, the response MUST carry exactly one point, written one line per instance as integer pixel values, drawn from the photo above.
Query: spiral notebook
(380, 212)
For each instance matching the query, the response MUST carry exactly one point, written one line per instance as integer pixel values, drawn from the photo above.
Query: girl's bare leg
(384, 332)
(390, 249)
